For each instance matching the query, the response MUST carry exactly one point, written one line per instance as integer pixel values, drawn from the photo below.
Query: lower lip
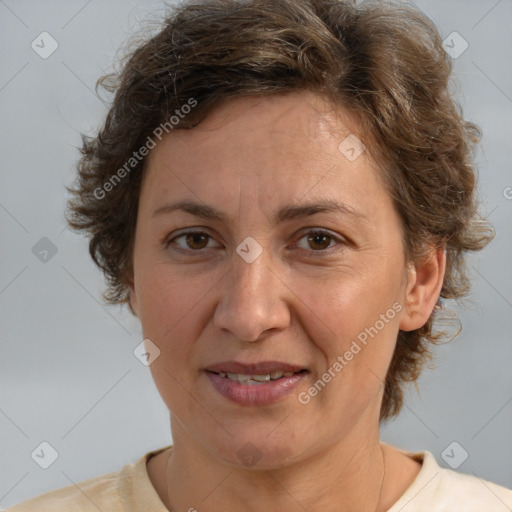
(256, 394)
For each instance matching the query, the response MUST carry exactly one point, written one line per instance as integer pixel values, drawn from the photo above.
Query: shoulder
(85, 496)
(116, 492)
(438, 489)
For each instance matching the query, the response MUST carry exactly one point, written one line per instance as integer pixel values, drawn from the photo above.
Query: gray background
(69, 376)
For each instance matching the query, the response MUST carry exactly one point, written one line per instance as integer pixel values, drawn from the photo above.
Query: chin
(256, 448)
(257, 457)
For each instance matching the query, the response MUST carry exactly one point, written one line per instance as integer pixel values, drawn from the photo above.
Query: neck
(344, 476)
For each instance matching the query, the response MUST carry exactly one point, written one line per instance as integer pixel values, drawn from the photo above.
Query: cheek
(346, 305)
(354, 319)
(169, 308)
(167, 299)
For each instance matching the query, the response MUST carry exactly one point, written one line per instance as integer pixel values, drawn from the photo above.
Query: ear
(423, 289)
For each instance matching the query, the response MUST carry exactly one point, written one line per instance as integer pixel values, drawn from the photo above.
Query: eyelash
(312, 231)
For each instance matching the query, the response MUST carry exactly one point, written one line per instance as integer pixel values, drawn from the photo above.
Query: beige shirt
(435, 489)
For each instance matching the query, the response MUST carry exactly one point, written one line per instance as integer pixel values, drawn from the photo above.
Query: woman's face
(252, 287)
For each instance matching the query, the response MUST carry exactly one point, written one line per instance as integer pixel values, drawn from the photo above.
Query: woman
(283, 194)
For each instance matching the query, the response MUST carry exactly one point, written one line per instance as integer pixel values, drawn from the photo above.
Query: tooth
(261, 378)
(255, 379)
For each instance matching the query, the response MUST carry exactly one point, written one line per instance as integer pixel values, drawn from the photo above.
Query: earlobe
(423, 289)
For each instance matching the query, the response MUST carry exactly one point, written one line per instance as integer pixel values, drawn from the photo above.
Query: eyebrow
(286, 213)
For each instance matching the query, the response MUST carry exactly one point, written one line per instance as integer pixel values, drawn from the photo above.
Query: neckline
(142, 484)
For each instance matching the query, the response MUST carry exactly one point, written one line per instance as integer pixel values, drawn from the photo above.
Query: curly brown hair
(382, 61)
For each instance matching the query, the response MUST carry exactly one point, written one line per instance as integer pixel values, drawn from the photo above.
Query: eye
(192, 240)
(316, 240)
(319, 240)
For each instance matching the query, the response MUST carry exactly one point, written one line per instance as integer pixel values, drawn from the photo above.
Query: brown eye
(319, 241)
(196, 240)
(191, 241)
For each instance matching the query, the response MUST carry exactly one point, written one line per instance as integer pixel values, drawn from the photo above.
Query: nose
(253, 299)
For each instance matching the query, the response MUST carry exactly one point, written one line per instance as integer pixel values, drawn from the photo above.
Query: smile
(255, 384)
(255, 379)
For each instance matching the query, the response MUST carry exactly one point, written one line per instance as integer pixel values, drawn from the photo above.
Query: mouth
(251, 380)
(255, 384)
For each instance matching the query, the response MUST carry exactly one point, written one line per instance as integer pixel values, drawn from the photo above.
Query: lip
(258, 394)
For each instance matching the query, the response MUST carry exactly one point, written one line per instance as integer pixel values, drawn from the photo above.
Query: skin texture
(201, 303)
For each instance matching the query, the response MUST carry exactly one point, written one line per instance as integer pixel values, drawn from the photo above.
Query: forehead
(304, 118)
(281, 148)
